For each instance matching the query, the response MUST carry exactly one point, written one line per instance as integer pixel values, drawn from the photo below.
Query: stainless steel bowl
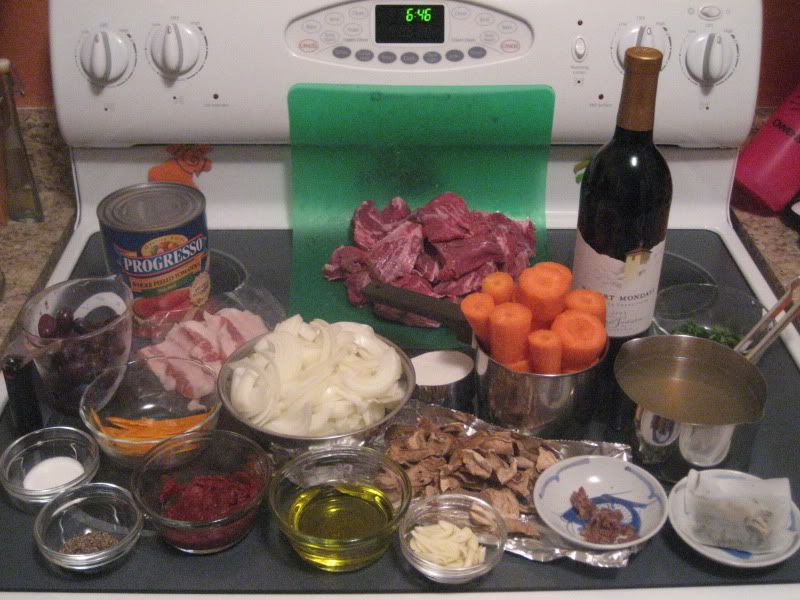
(292, 444)
(533, 403)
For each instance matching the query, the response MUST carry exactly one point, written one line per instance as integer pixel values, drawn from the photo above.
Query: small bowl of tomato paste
(202, 491)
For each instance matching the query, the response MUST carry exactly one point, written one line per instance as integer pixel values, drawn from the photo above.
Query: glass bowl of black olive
(89, 527)
(75, 330)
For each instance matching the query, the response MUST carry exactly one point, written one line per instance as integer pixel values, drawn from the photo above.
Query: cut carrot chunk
(583, 338)
(499, 285)
(589, 301)
(544, 352)
(543, 287)
(520, 366)
(476, 308)
(509, 325)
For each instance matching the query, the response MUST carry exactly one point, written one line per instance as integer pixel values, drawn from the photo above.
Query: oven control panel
(183, 71)
(382, 35)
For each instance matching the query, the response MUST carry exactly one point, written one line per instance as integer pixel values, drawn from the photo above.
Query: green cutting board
(350, 143)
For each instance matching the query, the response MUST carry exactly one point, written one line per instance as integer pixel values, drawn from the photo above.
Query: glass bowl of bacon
(202, 491)
(601, 502)
(131, 408)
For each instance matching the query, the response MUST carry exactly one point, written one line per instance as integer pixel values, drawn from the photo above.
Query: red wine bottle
(624, 207)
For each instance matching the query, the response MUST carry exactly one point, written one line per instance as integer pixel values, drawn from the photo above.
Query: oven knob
(710, 57)
(175, 49)
(105, 56)
(652, 36)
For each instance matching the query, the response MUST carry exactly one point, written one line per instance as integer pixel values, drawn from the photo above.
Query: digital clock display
(409, 23)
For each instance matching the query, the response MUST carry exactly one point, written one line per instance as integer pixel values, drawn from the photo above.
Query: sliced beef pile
(499, 467)
(441, 249)
(602, 525)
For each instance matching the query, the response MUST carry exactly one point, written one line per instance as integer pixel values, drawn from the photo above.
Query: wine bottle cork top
(5, 65)
(643, 59)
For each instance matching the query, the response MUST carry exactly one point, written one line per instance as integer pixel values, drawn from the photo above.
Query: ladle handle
(768, 328)
(447, 313)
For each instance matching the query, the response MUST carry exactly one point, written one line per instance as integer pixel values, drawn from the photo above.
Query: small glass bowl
(724, 314)
(463, 511)
(161, 481)
(133, 392)
(32, 450)
(339, 507)
(88, 509)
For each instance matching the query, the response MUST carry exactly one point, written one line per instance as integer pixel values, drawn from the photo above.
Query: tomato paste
(207, 497)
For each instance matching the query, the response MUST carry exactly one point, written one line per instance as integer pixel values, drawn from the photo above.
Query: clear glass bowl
(132, 394)
(92, 509)
(101, 309)
(722, 313)
(60, 447)
(339, 507)
(201, 491)
(463, 511)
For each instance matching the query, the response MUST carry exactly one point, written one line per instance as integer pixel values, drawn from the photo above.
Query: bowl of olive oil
(340, 507)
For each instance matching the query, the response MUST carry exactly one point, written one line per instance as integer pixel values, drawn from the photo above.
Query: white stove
(131, 78)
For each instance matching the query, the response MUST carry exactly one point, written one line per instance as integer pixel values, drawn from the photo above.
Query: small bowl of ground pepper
(89, 527)
(202, 490)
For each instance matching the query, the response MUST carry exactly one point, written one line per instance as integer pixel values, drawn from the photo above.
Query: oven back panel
(169, 71)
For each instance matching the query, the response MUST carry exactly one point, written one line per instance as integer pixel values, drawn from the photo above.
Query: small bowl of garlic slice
(452, 538)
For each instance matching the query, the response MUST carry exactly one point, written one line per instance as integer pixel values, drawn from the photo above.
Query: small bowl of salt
(40, 465)
(446, 378)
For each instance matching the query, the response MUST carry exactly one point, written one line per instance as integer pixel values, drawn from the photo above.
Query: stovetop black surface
(265, 563)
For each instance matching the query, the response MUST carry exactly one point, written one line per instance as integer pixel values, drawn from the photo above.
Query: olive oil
(341, 526)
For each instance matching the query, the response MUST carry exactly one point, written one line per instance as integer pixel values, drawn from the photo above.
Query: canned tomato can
(155, 235)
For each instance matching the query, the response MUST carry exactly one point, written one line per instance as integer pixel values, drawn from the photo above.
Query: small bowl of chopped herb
(719, 313)
(88, 527)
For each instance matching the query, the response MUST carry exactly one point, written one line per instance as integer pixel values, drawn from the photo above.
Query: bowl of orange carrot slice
(540, 343)
(130, 409)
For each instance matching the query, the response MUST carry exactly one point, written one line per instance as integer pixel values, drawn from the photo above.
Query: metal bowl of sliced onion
(315, 384)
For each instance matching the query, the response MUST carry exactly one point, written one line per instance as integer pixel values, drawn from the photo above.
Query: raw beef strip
(345, 260)
(370, 225)
(444, 218)
(426, 266)
(462, 256)
(354, 283)
(470, 282)
(515, 238)
(396, 254)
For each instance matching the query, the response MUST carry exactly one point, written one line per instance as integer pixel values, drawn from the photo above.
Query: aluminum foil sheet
(549, 546)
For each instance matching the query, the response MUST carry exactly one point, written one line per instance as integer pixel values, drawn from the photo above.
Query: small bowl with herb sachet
(129, 409)
(720, 313)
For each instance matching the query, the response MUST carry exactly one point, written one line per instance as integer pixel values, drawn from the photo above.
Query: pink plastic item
(769, 166)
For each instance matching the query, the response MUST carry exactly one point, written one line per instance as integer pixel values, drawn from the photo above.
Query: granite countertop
(29, 251)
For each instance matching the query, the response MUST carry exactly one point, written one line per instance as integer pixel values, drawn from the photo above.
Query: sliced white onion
(317, 378)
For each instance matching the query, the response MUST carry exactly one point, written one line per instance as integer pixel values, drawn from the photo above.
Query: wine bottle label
(629, 286)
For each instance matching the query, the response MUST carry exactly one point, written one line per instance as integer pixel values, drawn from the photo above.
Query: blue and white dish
(682, 524)
(609, 483)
